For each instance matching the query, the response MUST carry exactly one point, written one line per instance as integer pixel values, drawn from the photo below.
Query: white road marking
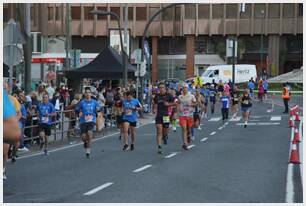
(215, 119)
(142, 168)
(74, 145)
(171, 155)
(254, 120)
(212, 133)
(268, 123)
(190, 146)
(237, 119)
(301, 149)
(220, 128)
(226, 123)
(289, 185)
(249, 123)
(204, 139)
(275, 118)
(97, 189)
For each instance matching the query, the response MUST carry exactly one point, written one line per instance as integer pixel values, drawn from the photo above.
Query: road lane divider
(191, 146)
(97, 189)
(142, 168)
(212, 133)
(204, 139)
(171, 155)
(220, 128)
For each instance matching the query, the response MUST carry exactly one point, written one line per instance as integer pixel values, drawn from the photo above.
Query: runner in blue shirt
(225, 101)
(205, 92)
(212, 98)
(87, 109)
(130, 106)
(265, 86)
(251, 86)
(46, 111)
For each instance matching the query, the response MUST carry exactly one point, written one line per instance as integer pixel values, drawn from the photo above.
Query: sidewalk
(53, 144)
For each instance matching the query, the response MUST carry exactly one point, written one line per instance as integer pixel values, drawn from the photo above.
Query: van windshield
(207, 73)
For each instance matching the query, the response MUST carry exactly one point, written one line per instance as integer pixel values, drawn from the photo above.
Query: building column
(273, 54)
(189, 56)
(154, 58)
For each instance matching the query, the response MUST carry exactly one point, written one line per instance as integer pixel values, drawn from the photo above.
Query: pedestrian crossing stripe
(276, 118)
(259, 123)
(215, 119)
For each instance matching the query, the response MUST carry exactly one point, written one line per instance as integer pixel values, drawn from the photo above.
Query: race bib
(235, 99)
(186, 111)
(88, 118)
(45, 119)
(166, 119)
(212, 94)
(246, 102)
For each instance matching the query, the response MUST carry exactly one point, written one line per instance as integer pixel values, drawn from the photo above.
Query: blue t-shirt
(8, 108)
(225, 101)
(212, 94)
(43, 109)
(129, 109)
(251, 85)
(265, 85)
(23, 114)
(88, 109)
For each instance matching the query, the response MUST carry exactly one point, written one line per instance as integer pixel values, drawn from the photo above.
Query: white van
(243, 73)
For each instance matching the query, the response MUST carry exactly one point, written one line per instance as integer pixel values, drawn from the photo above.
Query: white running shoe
(199, 128)
(174, 129)
(192, 138)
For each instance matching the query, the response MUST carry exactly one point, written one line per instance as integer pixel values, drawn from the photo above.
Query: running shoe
(85, 145)
(185, 147)
(132, 147)
(160, 151)
(165, 140)
(192, 138)
(125, 147)
(13, 158)
(4, 176)
(199, 128)
(46, 152)
(245, 125)
(87, 155)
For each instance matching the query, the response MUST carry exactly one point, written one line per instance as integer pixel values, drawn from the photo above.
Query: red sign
(46, 60)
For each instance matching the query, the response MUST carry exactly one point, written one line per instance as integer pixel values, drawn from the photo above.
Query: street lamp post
(102, 12)
(261, 39)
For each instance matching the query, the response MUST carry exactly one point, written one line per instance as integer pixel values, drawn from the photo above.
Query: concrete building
(183, 40)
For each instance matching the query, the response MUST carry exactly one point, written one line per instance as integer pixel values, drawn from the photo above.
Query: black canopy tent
(107, 65)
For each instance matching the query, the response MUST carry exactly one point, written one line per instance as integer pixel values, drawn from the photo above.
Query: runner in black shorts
(235, 101)
(161, 103)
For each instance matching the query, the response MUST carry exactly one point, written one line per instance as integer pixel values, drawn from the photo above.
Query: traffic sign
(146, 49)
(13, 59)
(136, 56)
(12, 34)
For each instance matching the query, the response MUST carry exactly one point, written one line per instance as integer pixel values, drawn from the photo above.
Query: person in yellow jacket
(197, 80)
(286, 98)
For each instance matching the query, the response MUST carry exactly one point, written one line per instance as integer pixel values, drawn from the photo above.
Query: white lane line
(212, 133)
(191, 146)
(97, 189)
(249, 123)
(289, 185)
(220, 128)
(74, 145)
(301, 150)
(171, 155)
(142, 168)
(226, 123)
(204, 139)
(254, 120)
(276, 118)
(268, 123)
(215, 119)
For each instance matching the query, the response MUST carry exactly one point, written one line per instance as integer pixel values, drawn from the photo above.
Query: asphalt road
(232, 164)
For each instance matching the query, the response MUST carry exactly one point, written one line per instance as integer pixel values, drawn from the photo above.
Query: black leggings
(224, 112)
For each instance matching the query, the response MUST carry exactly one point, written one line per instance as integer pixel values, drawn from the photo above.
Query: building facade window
(288, 10)
(116, 10)
(257, 11)
(50, 13)
(57, 13)
(177, 13)
(190, 11)
(300, 9)
(130, 13)
(5, 14)
(75, 12)
(167, 14)
(217, 11)
(294, 44)
(203, 11)
(274, 10)
(87, 14)
(253, 44)
(152, 11)
(141, 13)
(247, 13)
(231, 11)
(102, 17)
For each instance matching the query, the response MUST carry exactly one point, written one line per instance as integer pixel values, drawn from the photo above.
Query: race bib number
(235, 99)
(88, 118)
(166, 119)
(212, 94)
(45, 119)
(186, 111)
(246, 102)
